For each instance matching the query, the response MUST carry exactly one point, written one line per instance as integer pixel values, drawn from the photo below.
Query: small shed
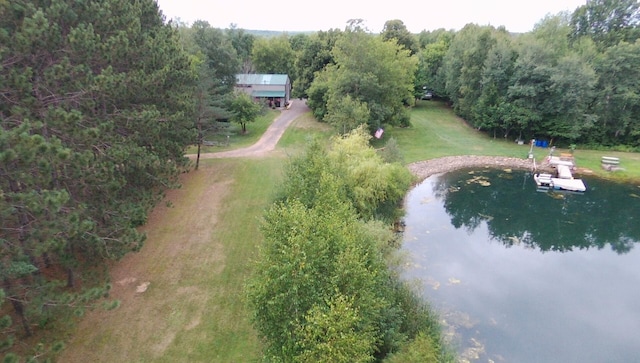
(274, 89)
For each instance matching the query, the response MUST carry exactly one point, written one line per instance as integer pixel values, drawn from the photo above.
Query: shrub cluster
(323, 289)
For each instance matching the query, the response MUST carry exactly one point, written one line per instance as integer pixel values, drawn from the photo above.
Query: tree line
(573, 79)
(96, 110)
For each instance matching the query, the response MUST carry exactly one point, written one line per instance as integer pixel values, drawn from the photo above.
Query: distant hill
(274, 33)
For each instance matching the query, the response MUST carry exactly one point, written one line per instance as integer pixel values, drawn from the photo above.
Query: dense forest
(96, 110)
(100, 99)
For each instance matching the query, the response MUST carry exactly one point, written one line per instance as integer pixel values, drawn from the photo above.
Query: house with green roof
(274, 89)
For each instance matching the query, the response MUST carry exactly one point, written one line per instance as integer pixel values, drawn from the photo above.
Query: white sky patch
(514, 15)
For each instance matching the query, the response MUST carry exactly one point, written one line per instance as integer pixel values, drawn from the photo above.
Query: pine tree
(95, 116)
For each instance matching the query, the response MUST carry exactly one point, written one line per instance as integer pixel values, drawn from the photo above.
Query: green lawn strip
(629, 162)
(226, 334)
(235, 138)
(436, 132)
(196, 260)
(178, 260)
(297, 134)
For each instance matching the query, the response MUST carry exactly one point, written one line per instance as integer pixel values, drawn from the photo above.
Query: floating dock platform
(564, 179)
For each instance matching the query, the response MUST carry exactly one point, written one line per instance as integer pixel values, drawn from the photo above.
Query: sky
(515, 15)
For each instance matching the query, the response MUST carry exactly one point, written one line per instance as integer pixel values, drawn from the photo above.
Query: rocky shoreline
(426, 168)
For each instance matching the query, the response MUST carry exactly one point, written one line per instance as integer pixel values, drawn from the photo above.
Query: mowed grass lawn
(193, 264)
(182, 294)
(436, 131)
(229, 136)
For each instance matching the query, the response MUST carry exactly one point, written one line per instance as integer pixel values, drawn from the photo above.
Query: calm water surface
(525, 276)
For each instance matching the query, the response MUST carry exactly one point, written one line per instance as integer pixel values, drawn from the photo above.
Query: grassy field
(193, 266)
(303, 128)
(182, 294)
(437, 132)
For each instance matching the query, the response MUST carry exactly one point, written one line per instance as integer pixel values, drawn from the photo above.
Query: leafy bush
(322, 289)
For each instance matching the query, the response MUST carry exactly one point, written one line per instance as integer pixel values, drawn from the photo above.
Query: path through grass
(191, 269)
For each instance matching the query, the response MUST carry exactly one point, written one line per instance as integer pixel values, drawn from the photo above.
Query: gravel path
(426, 168)
(269, 139)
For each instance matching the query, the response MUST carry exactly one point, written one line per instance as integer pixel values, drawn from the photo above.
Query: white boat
(543, 179)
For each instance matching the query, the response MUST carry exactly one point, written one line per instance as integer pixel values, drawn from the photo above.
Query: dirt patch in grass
(162, 289)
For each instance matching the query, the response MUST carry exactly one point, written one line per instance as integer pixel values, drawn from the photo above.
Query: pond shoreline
(463, 241)
(426, 168)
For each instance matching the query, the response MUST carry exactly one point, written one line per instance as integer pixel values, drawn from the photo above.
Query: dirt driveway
(269, 139)
(150, 319)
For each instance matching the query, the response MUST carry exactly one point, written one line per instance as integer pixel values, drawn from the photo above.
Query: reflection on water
(524, 276)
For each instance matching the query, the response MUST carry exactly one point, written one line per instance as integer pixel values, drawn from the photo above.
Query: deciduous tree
(491, 111)
(429, 73)
(371, 71)
(242, 42)
(617, 105)
(273, 55)
(346, 114)
(315, 55)
(395, 29)
(244, 109)
(321, 289)
(464, 66)
(607, 22)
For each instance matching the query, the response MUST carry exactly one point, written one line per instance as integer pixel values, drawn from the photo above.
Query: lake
(519, 275)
